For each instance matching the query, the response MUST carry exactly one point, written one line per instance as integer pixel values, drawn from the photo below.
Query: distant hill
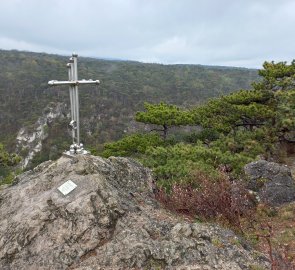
(108, 110)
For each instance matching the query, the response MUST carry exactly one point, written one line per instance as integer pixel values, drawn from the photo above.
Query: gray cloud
(213, 32)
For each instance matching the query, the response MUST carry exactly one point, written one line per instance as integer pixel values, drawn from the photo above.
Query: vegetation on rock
(7, 163)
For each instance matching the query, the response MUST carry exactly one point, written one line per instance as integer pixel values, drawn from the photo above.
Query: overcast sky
(213, 32)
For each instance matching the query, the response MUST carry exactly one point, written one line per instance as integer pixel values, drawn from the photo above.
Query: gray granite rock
(110, 221)
(273, 182)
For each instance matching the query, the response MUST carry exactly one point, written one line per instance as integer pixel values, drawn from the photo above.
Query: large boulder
(273, 182)
(109, 221)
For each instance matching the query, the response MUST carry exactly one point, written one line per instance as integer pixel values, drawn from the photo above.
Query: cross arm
(73, 83)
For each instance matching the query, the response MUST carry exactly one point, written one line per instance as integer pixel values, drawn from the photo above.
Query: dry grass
(272, 230)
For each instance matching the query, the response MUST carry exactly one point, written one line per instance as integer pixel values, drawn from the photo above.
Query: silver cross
(73, 82)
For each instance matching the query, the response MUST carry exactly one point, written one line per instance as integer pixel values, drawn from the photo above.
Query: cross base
(76, 150)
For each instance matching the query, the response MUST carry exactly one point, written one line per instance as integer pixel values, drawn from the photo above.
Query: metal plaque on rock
(67, 187)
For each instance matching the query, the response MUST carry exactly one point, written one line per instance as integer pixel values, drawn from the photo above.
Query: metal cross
(73, 82)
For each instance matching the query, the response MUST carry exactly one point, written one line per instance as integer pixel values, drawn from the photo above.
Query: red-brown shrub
(213, 199)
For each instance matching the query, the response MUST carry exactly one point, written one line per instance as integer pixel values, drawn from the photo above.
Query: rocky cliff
(109, 221)
(29, 140)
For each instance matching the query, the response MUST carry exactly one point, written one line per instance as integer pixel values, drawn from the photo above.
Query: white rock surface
(30, 140)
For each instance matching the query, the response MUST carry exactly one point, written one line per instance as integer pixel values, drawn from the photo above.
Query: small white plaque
(67, 187)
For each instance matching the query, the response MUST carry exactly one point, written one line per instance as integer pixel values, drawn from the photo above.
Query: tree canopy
(7, 159)
(276, 76)
(237, 128)
(165, 115)
(7, 164)
(245, 108)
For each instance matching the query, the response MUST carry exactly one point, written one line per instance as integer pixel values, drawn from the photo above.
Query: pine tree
(279, 79)
(164, 115)
(247, 109)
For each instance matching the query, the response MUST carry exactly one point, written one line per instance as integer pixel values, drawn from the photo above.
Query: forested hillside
(124, 88)
(107, 111)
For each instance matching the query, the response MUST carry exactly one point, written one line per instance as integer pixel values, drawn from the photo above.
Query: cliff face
(30, 140)
(109, 221)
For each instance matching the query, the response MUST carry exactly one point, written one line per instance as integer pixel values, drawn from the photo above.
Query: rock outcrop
(272, 182)
(109, 221)
(29, 140)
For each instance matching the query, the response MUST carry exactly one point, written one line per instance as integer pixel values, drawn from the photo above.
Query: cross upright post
(73, 82)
